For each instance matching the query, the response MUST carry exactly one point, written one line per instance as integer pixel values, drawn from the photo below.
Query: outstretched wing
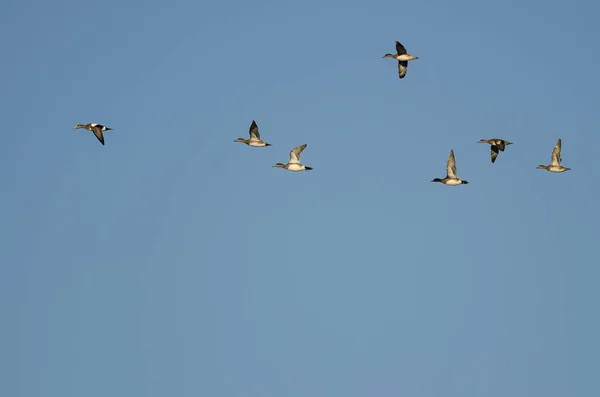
(254, 134)
(494, 152)
(400, 48)
(556, 159)
(295, 154)
(402, 65)
(97, 130)
(451, 166)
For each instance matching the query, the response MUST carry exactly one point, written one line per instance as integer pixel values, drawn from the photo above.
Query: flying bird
(254, 139)
(294, 163)
(97, 129)
(555, 165)
(496, 145)
(403, 57)
(451, 175)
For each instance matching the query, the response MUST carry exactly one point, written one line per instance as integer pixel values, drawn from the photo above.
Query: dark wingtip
(308, 168)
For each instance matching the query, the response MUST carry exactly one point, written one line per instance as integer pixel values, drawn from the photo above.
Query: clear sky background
(175, 262)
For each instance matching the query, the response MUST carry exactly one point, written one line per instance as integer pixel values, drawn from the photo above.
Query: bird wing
(400, 48)
(295, 154)
(254, 134)
(556, 159)
(451, 166)
(500, 144)
(494, 152)
(402, 65)
(97, 130)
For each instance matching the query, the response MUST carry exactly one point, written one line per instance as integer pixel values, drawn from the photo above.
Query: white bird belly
(405, 57)
(296, 167)
(453, 182)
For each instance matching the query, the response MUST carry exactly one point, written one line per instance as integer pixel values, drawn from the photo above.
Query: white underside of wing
(294, 158)
(401, 70)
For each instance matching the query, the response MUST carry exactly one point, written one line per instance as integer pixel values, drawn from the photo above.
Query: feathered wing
(254, 134)
(451, 166)
(97, 130)
(400, 48)
(402, 65)
(295, 154)
(556, 159)
(494, 152)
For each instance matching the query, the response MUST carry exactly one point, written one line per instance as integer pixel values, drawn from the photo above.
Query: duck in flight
(403, 57)
(451, 175)
(254, 139)
(555, 165)
(496, 145)
(97, 129)
(294, 163)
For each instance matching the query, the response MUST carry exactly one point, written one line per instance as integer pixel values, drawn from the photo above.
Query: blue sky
(173, 261)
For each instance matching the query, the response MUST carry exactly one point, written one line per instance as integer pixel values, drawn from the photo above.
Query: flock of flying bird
(294, 164)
